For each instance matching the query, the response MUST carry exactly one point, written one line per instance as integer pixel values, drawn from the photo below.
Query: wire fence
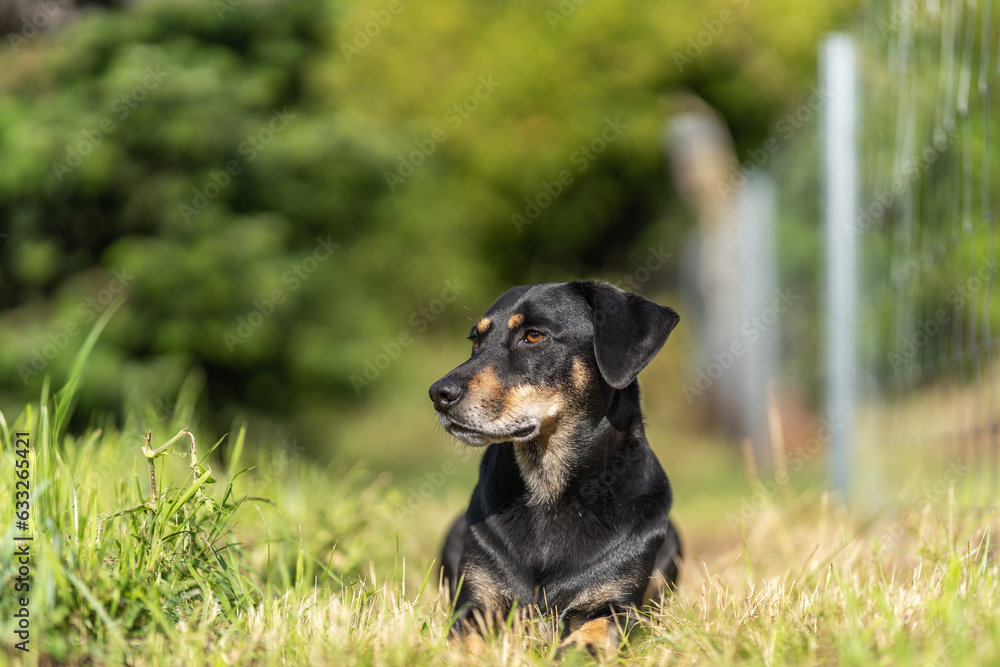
(929, 313)
(925, 380)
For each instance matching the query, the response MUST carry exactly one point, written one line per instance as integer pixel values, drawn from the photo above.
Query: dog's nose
(445, 393)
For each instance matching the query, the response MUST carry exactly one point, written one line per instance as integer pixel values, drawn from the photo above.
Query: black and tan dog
(570, 512)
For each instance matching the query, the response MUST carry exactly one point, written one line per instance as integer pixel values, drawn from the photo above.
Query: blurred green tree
(280, 187)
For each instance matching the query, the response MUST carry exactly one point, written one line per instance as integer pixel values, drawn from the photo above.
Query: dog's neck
(548, 463)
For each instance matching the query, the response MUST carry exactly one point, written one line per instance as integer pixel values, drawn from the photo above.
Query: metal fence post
(838, 63)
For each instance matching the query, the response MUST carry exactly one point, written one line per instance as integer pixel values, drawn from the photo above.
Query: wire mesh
(928, 326)
(929, 312)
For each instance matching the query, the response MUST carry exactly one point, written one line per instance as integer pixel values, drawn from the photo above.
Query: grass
(262, 557)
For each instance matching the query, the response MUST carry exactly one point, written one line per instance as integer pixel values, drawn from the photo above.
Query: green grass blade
(234, 456)
(6, 442)
(191, 490)
(99, 609)
(64, 398)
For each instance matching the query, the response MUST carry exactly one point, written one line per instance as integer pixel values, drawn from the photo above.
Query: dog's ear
(628, 330)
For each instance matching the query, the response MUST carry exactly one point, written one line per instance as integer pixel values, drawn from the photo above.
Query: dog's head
(542, 352)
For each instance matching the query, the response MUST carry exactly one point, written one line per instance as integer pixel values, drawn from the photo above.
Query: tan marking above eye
(483, 324)
(515, 321)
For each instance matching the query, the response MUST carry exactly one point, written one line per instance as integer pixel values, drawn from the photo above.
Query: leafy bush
(247, 174)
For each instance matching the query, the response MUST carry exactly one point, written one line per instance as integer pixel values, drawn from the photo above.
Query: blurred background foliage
(211, 161)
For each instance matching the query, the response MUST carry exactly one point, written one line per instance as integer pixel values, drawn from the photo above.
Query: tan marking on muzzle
(486, 387)
(544, 402)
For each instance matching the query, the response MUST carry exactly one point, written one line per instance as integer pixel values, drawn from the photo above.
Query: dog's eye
(475, 342)
(533, 336)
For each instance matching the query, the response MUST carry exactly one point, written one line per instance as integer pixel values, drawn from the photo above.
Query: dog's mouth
(480, 438)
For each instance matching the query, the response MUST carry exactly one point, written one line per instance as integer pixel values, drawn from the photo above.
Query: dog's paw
(599, 637)
(471, 643)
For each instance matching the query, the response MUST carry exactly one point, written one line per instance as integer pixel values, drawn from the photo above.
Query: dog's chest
(555, 551)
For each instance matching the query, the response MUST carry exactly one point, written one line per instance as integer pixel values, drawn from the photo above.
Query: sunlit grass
(312, 575)
(250, 553)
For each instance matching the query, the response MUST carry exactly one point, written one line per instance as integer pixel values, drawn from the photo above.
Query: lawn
(249, 552)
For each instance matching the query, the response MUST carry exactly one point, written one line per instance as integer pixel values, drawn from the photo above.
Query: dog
(570, 513)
